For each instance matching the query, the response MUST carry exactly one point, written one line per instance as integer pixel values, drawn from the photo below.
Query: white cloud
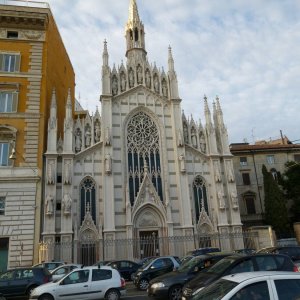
(247, 52)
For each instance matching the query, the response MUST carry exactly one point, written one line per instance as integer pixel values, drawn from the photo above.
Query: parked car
(155, 267)
(21, 281)
(292, 251)
(201, 251)
(50, 265)
(125, 267)
(237, 264)
(254, 285)
(63, 270)
(88, 283)
(169, 286)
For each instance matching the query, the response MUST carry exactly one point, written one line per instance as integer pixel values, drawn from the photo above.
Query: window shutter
(15, 101)
(18, 63)
(1, 62)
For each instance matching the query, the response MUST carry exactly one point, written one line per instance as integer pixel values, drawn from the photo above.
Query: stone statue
(123, 82)
(107, 137)
(156, 84)
(148, 79)
(67, 204)
(164, 88)
(193, 138)
(234, 199)
(78, 141)
(67, 175)
(114, 86)
(202, 143)
(217, 172)
(221, 199)
(49, 205)
(97, 132)
(108, 164)
(230, 172)
(185, 134)
(179, 137)
(88, 137)
(131, 78)
(182, 163)
(139, 72)
(50, 172)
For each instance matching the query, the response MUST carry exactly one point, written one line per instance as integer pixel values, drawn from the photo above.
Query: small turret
(106, 89)
(172, 77)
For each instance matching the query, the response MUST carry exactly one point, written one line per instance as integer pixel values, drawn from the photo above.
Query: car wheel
(175, 293)
(112, 295)
(132, 276)
(30, 289)
(143, 284)
(46, 297)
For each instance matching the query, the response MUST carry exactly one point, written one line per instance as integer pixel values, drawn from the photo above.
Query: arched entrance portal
(150, 232)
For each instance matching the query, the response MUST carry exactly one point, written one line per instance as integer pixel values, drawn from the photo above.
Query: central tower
(135, 34)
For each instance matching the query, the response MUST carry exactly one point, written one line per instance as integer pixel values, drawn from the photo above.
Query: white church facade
(138, 169)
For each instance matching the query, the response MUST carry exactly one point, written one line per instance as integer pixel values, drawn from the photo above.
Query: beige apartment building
(248, 161)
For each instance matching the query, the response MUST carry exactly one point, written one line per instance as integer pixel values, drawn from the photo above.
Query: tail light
(123, 283)
(295, 268)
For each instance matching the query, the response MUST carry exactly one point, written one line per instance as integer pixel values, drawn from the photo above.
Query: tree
(291, 187)
(275, 207)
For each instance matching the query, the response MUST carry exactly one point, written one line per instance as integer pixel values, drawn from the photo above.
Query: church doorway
(149, 243)
(87, 252)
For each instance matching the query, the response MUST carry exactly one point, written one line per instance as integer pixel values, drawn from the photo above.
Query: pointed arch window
(143, 154)
(87, 198)
(200, 196)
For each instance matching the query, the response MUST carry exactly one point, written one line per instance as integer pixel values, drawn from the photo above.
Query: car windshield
(147, 263)
(186, 266)
(216, 290)
(221, 265)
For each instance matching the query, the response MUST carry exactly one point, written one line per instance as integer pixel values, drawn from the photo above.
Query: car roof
(240, 277)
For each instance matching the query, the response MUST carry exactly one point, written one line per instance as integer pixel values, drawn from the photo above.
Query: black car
(153, 268)
(292, 251)
(125, 267)
(237, 264)
(21, 281)
(169, 286)
(201, 251)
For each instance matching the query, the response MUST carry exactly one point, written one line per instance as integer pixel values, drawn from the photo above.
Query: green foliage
(275, 207)
(291, 187)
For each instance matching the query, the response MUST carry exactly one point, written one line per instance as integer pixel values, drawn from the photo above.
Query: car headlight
(197, 291)
(158, 285)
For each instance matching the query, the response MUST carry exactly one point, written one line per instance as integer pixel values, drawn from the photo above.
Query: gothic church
(139, 168)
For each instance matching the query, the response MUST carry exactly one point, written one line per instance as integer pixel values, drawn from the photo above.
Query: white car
(63, 270)
(86, 283)
(264, 285)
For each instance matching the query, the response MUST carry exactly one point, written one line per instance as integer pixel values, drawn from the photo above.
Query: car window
(255, 291)
(125, 264)
(7, 275)
(266, 263)
(168, 262)
(61, 271)
(77, 277)
(243, 266)
(221, 265)
(100, 274)
(27, 273)
(159, 263)
(288, 289)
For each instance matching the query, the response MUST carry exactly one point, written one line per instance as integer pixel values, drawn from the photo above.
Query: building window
(88, 198)
(9, 62)
(270, 159)
(243, 161)
(8, 101)
(297, 157)
(4, 154)
(2, 206)
(246, 178)
(200, 196)
(12, 34)
(143, 146)
(250, 204)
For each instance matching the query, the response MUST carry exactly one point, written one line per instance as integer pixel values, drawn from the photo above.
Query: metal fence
(134, 249)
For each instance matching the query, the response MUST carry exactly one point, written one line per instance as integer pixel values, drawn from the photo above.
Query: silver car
(63, 270)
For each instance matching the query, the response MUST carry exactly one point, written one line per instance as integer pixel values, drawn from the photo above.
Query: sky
(246, 52)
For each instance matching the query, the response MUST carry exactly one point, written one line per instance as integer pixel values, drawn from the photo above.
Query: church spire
(134, 33)
(172, 76)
